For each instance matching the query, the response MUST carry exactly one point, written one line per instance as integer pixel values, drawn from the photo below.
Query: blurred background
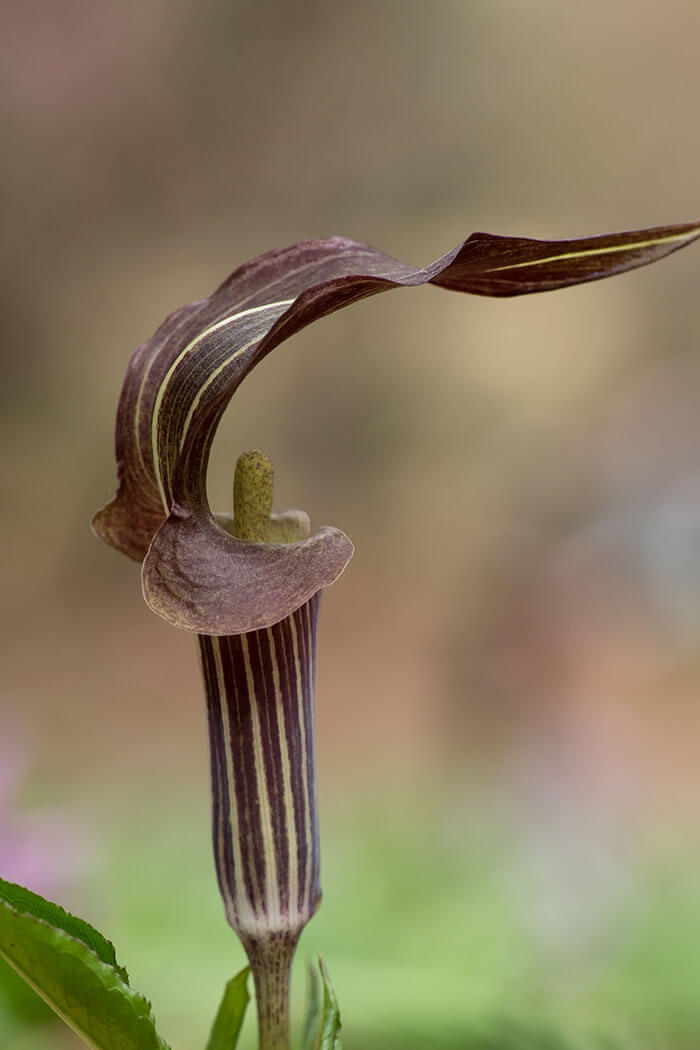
(508, 670)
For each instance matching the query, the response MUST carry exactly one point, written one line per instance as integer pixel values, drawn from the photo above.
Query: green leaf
(314, 1011)
(229, 1020)
(27, 903)
(54, 953)
(330, 1028)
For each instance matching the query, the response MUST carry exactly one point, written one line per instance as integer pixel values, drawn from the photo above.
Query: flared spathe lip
(200, 578)
(180, 381)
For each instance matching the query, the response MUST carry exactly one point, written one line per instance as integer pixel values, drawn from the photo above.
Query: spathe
(180, 381)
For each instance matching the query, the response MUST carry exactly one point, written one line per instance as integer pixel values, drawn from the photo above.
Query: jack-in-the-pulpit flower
(249, 583)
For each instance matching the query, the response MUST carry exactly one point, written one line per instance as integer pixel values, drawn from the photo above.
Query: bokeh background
(508, 681)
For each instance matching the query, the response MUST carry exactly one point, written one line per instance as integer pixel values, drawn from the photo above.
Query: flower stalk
(261, 708)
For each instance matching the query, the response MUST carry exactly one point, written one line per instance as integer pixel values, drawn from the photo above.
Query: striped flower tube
(248, 585)
(260, 702)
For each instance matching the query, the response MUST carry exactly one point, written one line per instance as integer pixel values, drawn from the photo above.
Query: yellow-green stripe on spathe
(271, 890)
(144, 379)
(286, 769)
(637, 246)
(308, 828)
(280, 306)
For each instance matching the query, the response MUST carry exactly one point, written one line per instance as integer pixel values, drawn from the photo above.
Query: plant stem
(271, 966)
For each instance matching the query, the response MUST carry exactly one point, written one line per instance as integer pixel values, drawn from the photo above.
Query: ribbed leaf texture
(330, 1024)
(229, 1019)
(73, 968)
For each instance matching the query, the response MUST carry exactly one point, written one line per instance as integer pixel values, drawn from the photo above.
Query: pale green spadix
(253, 483)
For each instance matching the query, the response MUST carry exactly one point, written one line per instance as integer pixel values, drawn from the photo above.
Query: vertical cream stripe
(272, 908)
(277, 308)
(308, 830)
(287, 781)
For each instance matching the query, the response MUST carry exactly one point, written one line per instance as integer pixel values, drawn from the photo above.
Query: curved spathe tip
(200, 578)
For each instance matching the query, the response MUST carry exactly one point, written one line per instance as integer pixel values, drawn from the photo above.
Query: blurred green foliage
(424, 929)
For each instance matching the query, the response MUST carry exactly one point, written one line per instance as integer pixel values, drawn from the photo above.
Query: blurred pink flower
(43, 850)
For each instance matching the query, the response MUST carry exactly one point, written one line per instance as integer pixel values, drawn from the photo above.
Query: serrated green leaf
(229, 1019)
(314, 1011)
(23, 900)
(330, 1028)
(87, 992)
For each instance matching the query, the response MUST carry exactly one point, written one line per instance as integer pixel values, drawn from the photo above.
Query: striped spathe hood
(178, 384)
